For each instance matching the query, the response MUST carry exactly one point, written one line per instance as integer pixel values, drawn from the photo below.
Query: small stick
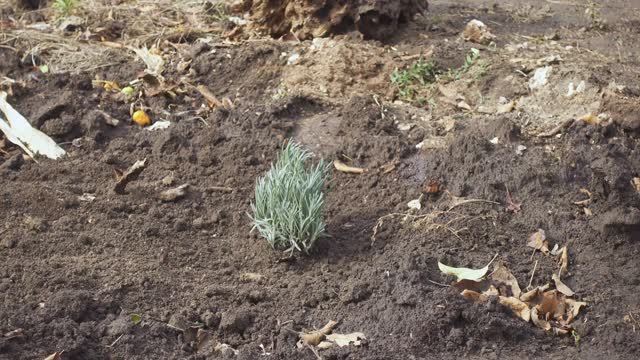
(533, 273)
(437, 283)
(118, 339)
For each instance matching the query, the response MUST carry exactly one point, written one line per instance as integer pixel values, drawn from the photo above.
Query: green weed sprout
(289, 203)
(65, 7)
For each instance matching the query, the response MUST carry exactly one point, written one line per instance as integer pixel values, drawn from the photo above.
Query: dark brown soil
(73, 271)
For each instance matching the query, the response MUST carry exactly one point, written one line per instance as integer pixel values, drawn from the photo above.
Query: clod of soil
(375, 19)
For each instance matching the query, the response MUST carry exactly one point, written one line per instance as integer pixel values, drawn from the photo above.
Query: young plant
(65, 7)
(289, 204)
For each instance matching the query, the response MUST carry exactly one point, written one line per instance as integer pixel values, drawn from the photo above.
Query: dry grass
(138, 23)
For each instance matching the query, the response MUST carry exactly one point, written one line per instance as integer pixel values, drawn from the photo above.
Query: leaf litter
(550, 307)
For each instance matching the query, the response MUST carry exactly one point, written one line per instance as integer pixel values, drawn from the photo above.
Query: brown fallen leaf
(211, 99)
(562, 288)
(518, 307)
(551, 306)
(315, 337)
(537, 321)
(563, 260)
(474, 296)
(342, 167)
(431, 188)
(465, 284)
(502, 275)
(512, 206)
(174, 194)
(538, 241)
(132, 174)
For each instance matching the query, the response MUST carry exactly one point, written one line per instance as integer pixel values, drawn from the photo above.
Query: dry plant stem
(535, 266)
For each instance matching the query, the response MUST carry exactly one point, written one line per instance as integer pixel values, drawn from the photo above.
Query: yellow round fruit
(141, 118)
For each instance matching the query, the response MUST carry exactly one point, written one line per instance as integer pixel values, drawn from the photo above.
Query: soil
(74, 267)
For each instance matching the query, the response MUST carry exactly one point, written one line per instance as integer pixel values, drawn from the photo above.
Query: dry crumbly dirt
(73, 271)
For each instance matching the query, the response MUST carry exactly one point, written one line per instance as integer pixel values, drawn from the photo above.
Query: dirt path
(77, 260)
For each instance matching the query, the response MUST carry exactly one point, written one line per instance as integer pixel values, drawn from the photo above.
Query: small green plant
(469, 61)
(420, 73)
(289, 203)
(576, 337)
(65, 7)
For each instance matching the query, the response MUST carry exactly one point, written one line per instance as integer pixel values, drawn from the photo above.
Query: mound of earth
(375, 19)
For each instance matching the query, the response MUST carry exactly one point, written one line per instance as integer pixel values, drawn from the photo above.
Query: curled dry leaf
(174, 194)
(314, 338)
(574, 309)
(538, 241)
(537, 321)
(132, 174)
(563, 260)
(342, 167)
(529, 295)
(474, 296)
(502, 275)
(518, 307)
(431, 188)
(347, 339)
(551, 306)
(491, 291)
(564, 289)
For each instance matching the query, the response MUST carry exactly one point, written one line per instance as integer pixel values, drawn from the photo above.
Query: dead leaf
(464, 106)
(564, 289)
(491, 291)
(55, 356)
(636, 183)
(476, 31)
(128, 176)
(551, 306)
(347, 339)
(502, 275)
(474, 296)
(431, 188)
(252, 277)
(538, 241)
(463, 273)
(211, 99)
(512, 206)
(588, 212)
(325, 345)
(465, 284)
(342, 167)
(174, 194)
(563, 260)
(518, 307)
(315, 337)
(529, 295)
(227, 103)
(574, 309)
(537, 321)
